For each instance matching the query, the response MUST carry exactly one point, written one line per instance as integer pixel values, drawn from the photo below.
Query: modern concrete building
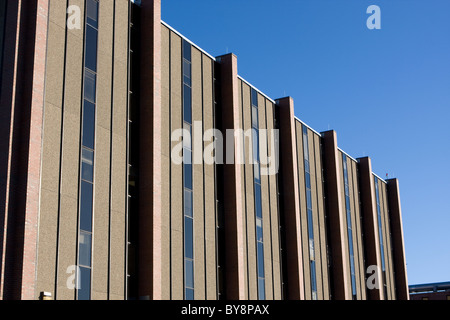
(95, 205)
(430, 291)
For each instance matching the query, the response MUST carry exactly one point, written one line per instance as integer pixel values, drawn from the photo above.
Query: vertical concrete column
(40, 18)
(336, 218)
(395, 215)
(22, 101)
(370, 225)
(233, 197)
(150, 246)
(290, 201)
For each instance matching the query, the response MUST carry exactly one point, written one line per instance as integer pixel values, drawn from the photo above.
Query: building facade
(119, 179)
(430, 291)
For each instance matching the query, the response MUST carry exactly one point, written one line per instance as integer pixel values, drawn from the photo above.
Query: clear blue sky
(386, 92)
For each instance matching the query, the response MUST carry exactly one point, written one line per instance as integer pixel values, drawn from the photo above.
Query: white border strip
(192, 43)
(306, 125)
(259, 91)
(349, 156)
(382, 180)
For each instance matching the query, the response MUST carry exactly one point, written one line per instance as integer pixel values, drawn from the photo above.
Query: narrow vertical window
(86, 212)
(187, 175)
(309, 216)
(349, 226)
(258, 199)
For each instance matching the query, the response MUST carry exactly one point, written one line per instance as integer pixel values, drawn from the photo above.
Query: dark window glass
(187, 50)
(312, 255)
(188, 238)
(347, 202)
(313, 280)
(307, 166)
(259, 230)
(306, 146)
(89, 85)
(92, 13)
(187, 105)
(86, 206)
(310, 224)
(189, 294)
(254, 98)
(187, 156)
(85, 249)
(257, 172)
(258, 209)
(255, 117)
(308, 181)
(260, 256)
(88, 124)
(84, 291)
(87, 167)
(308, 198)
(187, 136)
(187, 72)
(189, 273)
(188, 176)
(188, 203)
(255, 141)
(261, 289)
(91, 48)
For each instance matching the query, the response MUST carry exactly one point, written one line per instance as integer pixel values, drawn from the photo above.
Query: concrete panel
(55, 64)
(165, 159)
(47, 250)
(120, 99)
(199, 217)
(209, 176)
(121, 32)
(165, 223)
(74, 75)
(119, 152)
(303, 210)
(101, 239)
(47, 242)
(68, 215)
(177, 257)
(177, 266)
(67, 253)
(57, 12)
(70, 155)
(106, 25)
(117, 248)
(267, 227)
(118, 198)
(103, 106)
(250, 200)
